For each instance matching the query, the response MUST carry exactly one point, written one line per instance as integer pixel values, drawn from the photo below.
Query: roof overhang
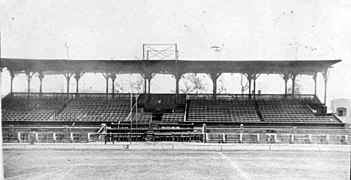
(58, 66)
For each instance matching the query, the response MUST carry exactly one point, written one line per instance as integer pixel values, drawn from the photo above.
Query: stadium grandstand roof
(57, 66)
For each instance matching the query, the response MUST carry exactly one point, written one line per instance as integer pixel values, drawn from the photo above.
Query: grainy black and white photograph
(175, 89)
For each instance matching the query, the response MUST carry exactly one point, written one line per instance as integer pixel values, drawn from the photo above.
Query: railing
(240, 137)
(73, 95)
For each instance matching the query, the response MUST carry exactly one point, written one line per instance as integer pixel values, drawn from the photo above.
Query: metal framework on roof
(147, 68)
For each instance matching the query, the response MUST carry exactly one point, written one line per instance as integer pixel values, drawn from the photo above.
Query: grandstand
(168, 117)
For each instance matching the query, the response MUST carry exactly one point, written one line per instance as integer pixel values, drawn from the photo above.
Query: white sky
(244, 29)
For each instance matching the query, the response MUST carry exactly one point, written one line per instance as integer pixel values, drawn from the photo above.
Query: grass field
(174, 164)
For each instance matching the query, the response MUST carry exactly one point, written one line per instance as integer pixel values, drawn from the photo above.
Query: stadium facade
(168, 117)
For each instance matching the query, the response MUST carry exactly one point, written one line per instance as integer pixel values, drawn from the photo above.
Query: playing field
(174, 164)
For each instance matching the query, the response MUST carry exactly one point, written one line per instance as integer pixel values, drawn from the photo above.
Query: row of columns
(147, 81)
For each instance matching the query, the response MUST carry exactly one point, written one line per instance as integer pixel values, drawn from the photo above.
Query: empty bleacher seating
(95, 109)
(222, 110)
(290, 111)
(32, 109)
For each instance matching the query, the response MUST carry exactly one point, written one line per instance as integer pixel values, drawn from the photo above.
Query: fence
(258, 138)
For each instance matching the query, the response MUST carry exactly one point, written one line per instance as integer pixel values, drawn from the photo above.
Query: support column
(149, 85)
(77, 76)
(214, 76)
(177, 78)
(293, 77)
(113, 78)
(249, 78)
(325, 74)
(29, 77)
(41, 77)
(106, 75)
(286, 78)
(68, 77)
(12, 75)
(315, 83)
(255, 76)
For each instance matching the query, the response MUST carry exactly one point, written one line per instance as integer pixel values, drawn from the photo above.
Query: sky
(242, 29)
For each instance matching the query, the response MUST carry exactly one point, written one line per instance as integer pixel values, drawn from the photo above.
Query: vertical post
(36, 136)
(41, 77)
(149, 85)
(54, 136)
(77, 76)
(106, 76)
(71, 137)
(136, 111)
(12, 74)
(325, 78)
(214, 76)
(145, 84)
(113, 78)
(68, 77)
(255, 76)
(29, 76)
(177, 78)
(240, 137)
(293, 77)
(249, 78)
(315, 83)
(286, 78)
(19, 137)
(89, 137)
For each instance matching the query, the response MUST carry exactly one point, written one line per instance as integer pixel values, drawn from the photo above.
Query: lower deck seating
(32, 109)
(172, 117)
(95, 109)
(290, 111)
(222, 110)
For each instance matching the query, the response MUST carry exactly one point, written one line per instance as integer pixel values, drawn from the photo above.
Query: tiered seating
(141, 117)
(289, 111)
(172, 117)
(222, 110)
(161, 99)
(33, 109)
(326, 119)
(95, 109)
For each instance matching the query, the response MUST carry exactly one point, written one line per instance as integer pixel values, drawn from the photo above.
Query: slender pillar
(325, 78)
(255, 76)
(29, 77)
(286, 78)
(12, 74)
(315, 83)
(149, 85)
(77, 76)
(214, 76)
(145, 84)
(68, 78)
(106, 75)
(293, 77)
(41, 77)
(113, 78)
(249, 78)
(177, 78)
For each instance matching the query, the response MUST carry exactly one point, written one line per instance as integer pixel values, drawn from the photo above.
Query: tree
(193, 84)
(298, 87)
(244, 86)
(222, 88)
